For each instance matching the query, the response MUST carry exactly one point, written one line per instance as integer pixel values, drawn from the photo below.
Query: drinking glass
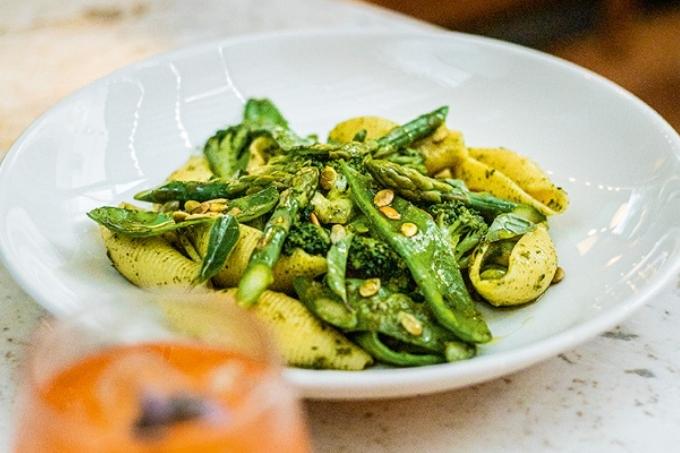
(165, 373)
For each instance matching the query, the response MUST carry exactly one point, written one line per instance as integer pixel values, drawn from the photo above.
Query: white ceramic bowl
(615, 156)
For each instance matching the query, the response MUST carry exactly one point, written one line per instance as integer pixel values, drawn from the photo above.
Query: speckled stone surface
(619, 392)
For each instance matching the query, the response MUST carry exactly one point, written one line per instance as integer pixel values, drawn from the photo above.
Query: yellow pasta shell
(442, 149)
(298, 264)
(375, 127)
(194, 169)
(149, 262)
(480, 177)
(532, 265)
(258, 154)
(525, 173)
(301, 338)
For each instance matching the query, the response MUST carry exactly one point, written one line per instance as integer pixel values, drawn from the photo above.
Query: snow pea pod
(224, 233)
(428, 257)
(337, 265)
(254, 205)
(379, 350)
(139, 224)
(386, 312)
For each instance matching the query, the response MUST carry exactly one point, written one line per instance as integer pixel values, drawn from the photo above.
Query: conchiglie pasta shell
(480, 177)
(525, 173)
(443, 149)
(299, 264)
(149, 262)
(301, 338)
(375, 127)
(194, 169)
(531, 267)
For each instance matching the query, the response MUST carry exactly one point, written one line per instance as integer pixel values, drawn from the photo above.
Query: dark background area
(635, 43)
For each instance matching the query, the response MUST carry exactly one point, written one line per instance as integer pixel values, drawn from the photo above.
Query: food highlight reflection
(153, 375)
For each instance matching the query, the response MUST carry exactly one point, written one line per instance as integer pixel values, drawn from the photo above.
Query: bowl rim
(393, 382)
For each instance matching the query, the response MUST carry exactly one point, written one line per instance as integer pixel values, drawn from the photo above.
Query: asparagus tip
(253, 283)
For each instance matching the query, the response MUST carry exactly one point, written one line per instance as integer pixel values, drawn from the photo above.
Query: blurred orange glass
(132, 379)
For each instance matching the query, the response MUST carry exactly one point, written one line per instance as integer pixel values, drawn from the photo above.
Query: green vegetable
(429, 258)
(254, 205)
(461, 225)
(408, 133)
(263, 112)
(409, 157)
(360, 136)
(227, 151)
(337, 265)
(258, 274)
(397, 138)
(311, 238)
(508, 226)
(417, 187)
(380, 351)
(139, 224)
(370, 257)
(386, 312)
(220, 188)
(337, 208)
(322, 302)
(224, 233)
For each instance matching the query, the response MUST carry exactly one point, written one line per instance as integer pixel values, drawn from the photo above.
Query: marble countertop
(618, 392)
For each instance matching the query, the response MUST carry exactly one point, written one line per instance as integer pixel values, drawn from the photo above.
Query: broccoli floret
(369, 257)
(309, 237)
(464, 227)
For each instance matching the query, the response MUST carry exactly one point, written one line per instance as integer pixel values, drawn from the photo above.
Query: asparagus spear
(408, 133)
(415, 186)
(428, 257)
(258, 274)
(397, 138)
(220, 188)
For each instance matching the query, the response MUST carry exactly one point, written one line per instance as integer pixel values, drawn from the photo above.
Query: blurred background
(635, 43)
(49, 48)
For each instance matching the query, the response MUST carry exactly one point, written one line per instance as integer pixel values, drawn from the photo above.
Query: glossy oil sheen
(619, 161)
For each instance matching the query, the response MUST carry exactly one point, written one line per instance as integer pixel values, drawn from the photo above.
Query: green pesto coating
(428, 257)
(258, 274)
(382, 312)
